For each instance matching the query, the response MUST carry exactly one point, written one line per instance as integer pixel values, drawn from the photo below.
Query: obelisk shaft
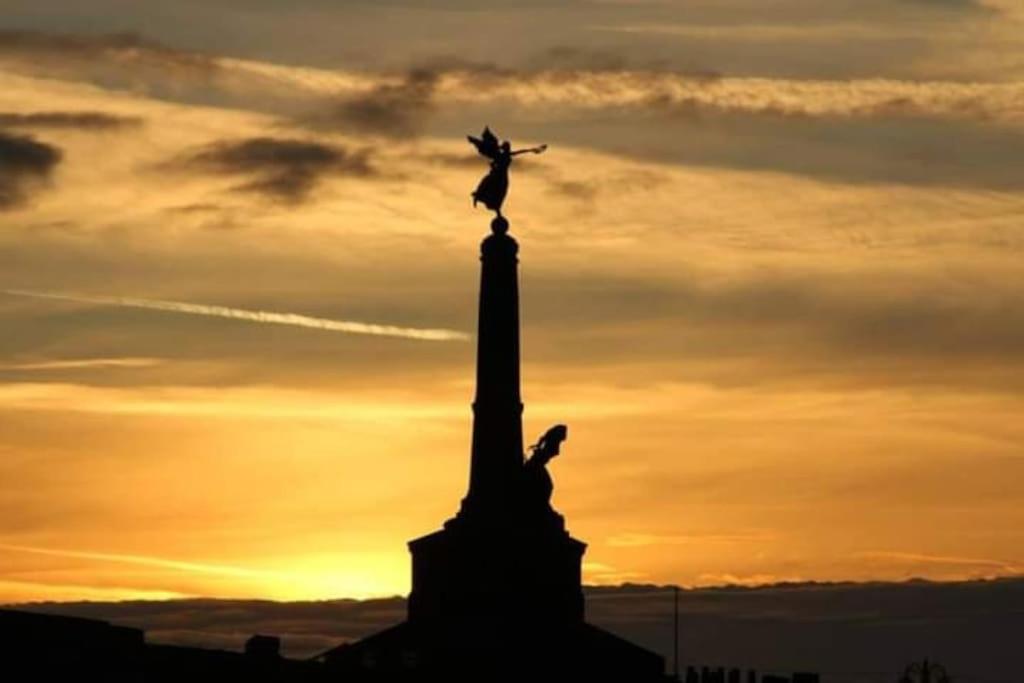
(497, 450)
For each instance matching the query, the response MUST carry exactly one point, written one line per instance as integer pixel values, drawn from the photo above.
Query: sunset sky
(771, 276)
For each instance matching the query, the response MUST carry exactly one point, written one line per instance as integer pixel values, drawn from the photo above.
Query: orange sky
(770, 277)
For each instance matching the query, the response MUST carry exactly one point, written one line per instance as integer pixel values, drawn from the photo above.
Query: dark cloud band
(279, 168)
(81, 120)
(24, 162)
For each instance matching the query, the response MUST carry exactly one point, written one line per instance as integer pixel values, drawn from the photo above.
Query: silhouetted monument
(497, 592)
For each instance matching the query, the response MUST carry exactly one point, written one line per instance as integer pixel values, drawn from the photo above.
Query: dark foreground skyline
(850, 633)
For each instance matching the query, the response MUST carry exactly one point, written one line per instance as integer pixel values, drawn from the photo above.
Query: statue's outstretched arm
(535, 151)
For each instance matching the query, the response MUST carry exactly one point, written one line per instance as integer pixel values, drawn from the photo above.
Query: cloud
(307, 627)
(570, 58)
(292, 319)
(444, 85)
(600, 574)
(961, 5)
(747, 580)
(82, 364)
(82, 120)
(114, 48)
(668, 92)
(177, 565)
(999, 567)
(863, 130)
(230, 403)
(283, 169)
(396, 109)
(906, 328)
(347, 30)
(76, 592)
(638, 540)
(561, 80)
(840, 627)
(24, 163)
(877, 152)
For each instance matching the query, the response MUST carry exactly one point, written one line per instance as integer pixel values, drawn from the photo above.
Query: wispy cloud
(75, 120)
(294, 319)
(393, 96)
(600, 574)
(193, 567)
(33, 591)
(83, 364)
(1002, 566)
(635, 540)
(396, 102)
(248, 403)
(857, 98)
(115, 48)
(749, 580)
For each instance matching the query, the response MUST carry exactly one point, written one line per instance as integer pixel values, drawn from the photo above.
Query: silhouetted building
(267, 648)
(46, 647)
(54, 647)
(497, 592)
(735, 675)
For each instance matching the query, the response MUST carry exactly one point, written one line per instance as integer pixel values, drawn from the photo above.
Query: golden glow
(786, 340)
(357, 575)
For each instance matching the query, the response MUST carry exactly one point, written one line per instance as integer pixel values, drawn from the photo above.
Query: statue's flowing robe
(494, 186)
(537, 485)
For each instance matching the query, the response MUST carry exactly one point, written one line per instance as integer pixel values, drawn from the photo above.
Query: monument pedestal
(506, 573)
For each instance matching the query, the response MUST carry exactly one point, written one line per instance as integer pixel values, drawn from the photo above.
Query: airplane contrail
(349, 326)
(196, 567)
(83, 364)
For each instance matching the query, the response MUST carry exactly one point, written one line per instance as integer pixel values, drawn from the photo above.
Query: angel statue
(494, 186)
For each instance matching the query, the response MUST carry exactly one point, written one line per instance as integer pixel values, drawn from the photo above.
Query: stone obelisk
(497, 448)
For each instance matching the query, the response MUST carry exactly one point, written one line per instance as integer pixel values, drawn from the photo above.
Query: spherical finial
(499, 226)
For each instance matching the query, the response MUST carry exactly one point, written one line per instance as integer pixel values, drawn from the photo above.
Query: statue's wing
(478, 143)
(486, 144)
(490, 138)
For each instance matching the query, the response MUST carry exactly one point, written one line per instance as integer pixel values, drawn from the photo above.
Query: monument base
(499, 573)
(415, 651)
(495, 600)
